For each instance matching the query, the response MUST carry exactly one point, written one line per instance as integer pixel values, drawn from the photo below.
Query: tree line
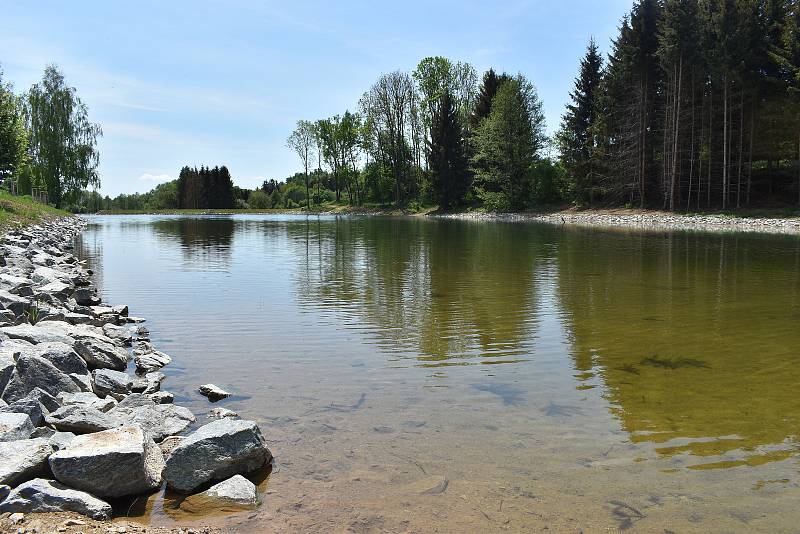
(48, 145)
(697, 107)
(435, 135)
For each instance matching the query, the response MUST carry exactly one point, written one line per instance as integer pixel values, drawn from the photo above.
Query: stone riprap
(82, 414)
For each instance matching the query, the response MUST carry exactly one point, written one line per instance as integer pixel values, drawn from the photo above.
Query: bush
(259, 200)
(275, 199)
(495, 202)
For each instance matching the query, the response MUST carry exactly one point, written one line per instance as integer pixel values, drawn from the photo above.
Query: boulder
(114, 383)
(86, 297)
(14, 426)
(30, 407)
(58, 440)
(118, 333)
(57, 288)
(149, 383)
(15, 303)
(23, 460)
(87, 398)
(4, 491)
(62, 356)
(169, 443)
(216, 451)
(34, 371)
(48, 402)
(113, 463)
(81, 420)
(6, 368)
(40, 495)
(100, 354)
(45, 275)
(232, 494)
(152, 360)
(214, 393)
(157, 420)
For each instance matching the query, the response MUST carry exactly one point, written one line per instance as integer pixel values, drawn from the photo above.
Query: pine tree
(483, 105)
(576, 138)
(450, 176)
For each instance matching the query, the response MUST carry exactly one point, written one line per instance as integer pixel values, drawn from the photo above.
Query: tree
(13, 137)
(576, 140)
(62, 140)
(303, 141)
(436, 76)
(483, 101)
(449, 164)
(508, 142)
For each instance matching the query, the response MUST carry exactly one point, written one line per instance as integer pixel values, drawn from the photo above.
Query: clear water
(555, 377)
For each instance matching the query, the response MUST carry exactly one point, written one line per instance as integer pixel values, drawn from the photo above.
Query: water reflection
(689, 340)
(695, 338)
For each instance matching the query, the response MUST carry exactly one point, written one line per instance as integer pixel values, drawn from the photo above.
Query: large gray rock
(157, 420)
(216, 451)
(42, 332)
(151, 360)
(7, 365)
(87, 398)
(15, 303)
(40, 495)
(46, 275)
(86, 297)
(62, 356)
(81, 419)
(149, 383)
(4, 491)
(57, 288)
(35, 371)
(24, 459)
(30, 407)
(113, 463)
(118, 333)
(112, 383)
(100, 354)
(15, 426)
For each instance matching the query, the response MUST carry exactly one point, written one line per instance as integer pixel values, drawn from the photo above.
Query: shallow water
(434, 375)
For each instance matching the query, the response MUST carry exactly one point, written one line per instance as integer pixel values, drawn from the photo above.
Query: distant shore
(777, 221)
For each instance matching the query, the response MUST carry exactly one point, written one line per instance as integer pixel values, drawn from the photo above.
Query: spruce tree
(576, 139)
(450, 176)
(483, 105)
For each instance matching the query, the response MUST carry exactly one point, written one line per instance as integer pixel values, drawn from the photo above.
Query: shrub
(259, 200)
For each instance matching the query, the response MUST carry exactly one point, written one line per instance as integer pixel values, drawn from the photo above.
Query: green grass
(21, 211)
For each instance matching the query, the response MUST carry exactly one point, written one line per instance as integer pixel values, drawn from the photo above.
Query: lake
(417, 374)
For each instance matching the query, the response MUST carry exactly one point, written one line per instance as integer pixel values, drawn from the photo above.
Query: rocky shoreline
(83, 416)
(643, 220)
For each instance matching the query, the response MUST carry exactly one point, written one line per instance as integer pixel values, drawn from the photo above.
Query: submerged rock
(24, 459)
(234, 493)
(216, 451)
(113, 463)
(222, 413)
(40, 495)
(214, 393)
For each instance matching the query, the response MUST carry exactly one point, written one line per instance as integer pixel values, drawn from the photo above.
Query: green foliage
(276, 199)
(449, 165)
(549, 182)
(205, 188)
(63, 142)
(13, 137)
(508, 143)
(259, 200)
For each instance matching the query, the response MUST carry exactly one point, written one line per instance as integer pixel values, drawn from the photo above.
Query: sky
(176, 82)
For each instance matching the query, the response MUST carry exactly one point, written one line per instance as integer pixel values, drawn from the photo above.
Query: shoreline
(612, 218)
(81, 389)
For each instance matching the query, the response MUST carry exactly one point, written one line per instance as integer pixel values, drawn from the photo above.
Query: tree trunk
(741, 148)
(725, 141)
(750, 154)
(691, 151)
(676, 127)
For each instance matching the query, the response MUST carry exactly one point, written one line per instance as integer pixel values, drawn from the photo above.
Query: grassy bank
(21, 211)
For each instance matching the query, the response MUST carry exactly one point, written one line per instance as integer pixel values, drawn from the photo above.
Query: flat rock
(113, 463)
(23, 460)
(40, 495)
(100, 354)
(42, 332)
(222, 413)
(214, 393)
(157, 420)
(81, 419)
(15, 426)
(87, 398)
(114, 383)
(216, 451)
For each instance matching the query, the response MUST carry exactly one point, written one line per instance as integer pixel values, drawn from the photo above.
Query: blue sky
(192, 82)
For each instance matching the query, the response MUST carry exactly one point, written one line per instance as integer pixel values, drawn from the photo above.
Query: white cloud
(155, 178)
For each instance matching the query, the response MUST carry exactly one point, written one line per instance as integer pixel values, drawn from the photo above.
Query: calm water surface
(556, 378)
